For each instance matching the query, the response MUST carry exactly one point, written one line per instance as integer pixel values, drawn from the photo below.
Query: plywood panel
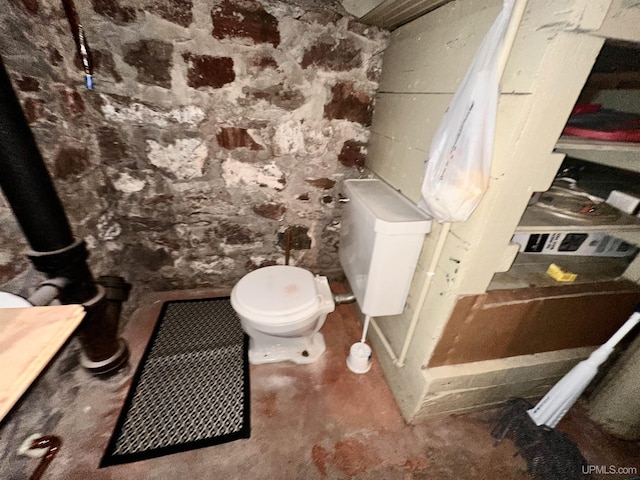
(508, 323)
(29, 338)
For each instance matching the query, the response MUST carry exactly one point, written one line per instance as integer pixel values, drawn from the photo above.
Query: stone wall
(215, 127)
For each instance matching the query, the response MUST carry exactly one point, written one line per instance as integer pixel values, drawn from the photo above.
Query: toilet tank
(381, 236)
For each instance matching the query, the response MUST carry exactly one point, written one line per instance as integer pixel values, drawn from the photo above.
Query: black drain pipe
(26, 184)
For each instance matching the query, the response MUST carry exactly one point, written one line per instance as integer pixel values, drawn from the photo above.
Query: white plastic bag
(459, 164)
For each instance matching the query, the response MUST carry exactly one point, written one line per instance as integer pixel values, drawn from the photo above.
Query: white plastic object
(301, 350)
(9, 300)
(557, 402)
(359, 359)
(459, 164)
(626, 202)
(381, 236)
(388, 210)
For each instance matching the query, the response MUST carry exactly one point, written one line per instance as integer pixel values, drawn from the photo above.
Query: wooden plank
(622, 21)
(399, 142)
(624, 155)
(530, 270)
(509, 323)
(432, 54)
(29, 338)
(394, 13)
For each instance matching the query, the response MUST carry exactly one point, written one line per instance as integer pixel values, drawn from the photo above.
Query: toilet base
(299, 350)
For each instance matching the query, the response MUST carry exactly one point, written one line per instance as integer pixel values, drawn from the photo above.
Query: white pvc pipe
(435, 259)
(384, 341)
(399, 361)
(510, 34)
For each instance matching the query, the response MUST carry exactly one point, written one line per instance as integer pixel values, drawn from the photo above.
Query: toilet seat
(278, 295)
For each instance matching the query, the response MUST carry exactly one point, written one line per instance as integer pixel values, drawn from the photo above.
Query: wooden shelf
(529, 270)
(613, 80)
(624, 155)
(29, 338)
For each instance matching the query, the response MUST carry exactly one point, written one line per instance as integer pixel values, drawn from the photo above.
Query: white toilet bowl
(282, 309)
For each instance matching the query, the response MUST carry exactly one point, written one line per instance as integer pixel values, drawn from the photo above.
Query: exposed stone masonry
(215, 128)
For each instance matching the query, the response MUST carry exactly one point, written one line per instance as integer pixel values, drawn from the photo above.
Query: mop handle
(624, 329)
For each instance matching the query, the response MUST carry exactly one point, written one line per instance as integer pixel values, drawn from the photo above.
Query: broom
(549, 453)
(555, 404)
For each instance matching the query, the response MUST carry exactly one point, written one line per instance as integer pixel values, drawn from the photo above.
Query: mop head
(549, 454)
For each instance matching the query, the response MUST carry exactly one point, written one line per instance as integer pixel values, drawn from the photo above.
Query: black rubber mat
(191, 389)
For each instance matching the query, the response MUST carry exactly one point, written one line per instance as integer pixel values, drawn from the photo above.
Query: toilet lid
(276, 291)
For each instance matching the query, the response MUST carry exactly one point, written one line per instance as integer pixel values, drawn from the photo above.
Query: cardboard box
(595, 244)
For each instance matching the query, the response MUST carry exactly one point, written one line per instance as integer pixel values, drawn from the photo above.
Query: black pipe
(29, 189)
(25, 180)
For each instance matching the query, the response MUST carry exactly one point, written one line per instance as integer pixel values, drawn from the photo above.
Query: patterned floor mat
(191, 389)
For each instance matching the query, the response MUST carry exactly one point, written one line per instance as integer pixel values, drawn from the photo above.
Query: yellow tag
(559, 275)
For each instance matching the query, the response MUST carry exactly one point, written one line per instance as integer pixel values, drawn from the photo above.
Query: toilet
(282, 308)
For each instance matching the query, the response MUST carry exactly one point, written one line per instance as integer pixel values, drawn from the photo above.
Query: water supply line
(399, 361)
(287, 250)
(341, 298)
(36, 206)
(84, 52)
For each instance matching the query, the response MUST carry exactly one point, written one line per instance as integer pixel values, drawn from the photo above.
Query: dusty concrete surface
(315, 421)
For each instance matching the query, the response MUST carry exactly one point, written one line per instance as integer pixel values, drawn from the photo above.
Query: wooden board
(525, 321)
(29, 338)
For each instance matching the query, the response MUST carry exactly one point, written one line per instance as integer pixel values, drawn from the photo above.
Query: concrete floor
(308, 422)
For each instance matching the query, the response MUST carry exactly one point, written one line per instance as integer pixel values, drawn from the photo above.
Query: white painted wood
(554, 51)
(516, 171)
(401, 136)
(393, 13)
(360, 8)
(460, 388)
(624, 155)
(509, 255)
(622, 21)
(432, 54)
